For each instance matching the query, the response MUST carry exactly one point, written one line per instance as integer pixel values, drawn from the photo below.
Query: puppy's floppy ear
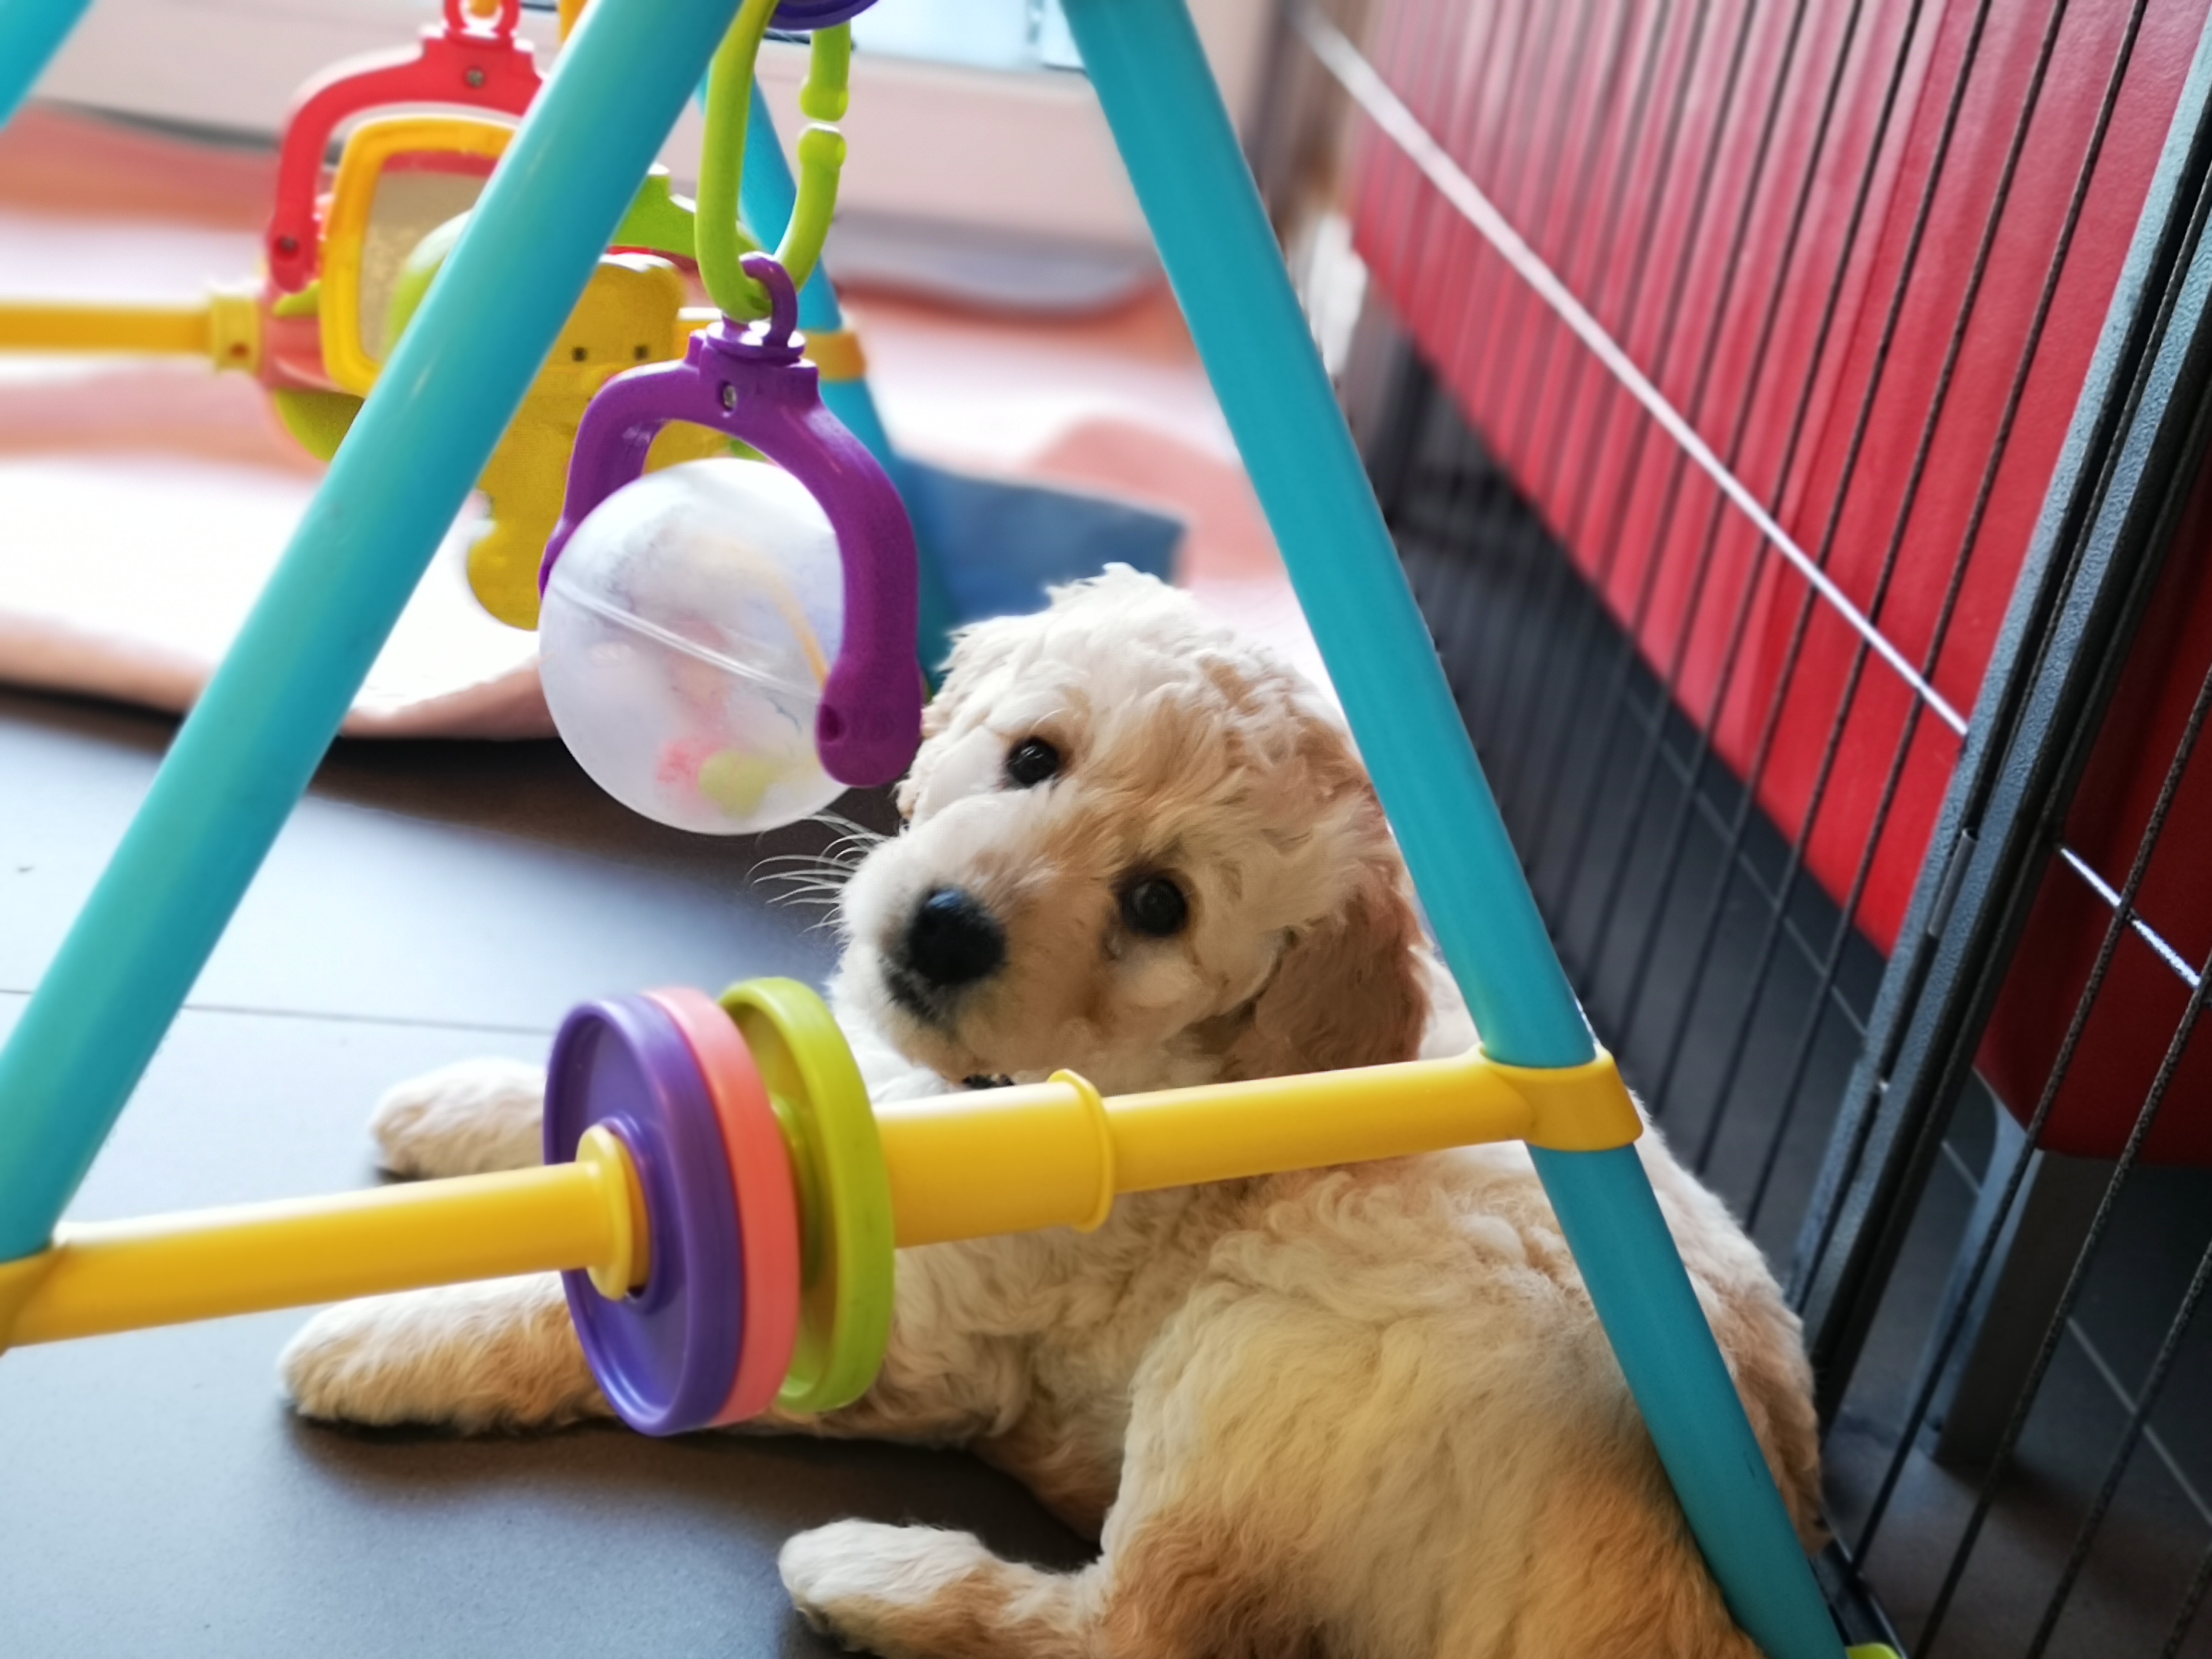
(980, 651)
(1348, 990)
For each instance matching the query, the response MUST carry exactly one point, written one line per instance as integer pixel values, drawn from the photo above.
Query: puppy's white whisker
(827, 875)
(825, 899)
(763, 871)
(853, 833)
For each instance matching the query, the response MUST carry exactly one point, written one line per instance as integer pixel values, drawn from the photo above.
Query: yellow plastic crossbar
(961, 1166)
(208, 1264)
(1055, 1154)
(225, 328)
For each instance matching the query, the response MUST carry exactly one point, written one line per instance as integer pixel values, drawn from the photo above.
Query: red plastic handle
(456, 63)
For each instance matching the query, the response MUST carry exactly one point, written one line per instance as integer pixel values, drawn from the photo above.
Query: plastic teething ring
(768, 1205)
(845, 1210)
(666, 1354)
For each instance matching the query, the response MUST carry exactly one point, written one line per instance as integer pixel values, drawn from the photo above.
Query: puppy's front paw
(465, 1119)
(501, 1354)
(871, 1587)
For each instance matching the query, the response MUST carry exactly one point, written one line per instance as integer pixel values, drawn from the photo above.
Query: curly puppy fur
(1356, 1413)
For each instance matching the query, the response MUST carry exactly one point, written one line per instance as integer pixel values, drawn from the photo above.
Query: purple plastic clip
(750, 384)
(804, 15)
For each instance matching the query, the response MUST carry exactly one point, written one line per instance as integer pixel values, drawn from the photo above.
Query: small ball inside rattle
(687, 629)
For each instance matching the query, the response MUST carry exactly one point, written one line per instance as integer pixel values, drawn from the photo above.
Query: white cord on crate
(2150, 935)
(1373, 94)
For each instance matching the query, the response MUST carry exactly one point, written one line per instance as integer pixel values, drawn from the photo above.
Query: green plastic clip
(724, 239)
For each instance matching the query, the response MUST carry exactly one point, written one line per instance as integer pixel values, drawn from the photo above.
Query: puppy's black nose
(953, 939)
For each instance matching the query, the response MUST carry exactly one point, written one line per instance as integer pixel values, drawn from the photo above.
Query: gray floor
(426, 902)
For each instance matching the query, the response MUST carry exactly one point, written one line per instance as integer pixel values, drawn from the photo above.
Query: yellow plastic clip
(837, 353)
(234, 328)
(1576, 1108)
(614, 1177)
(18, 1280)
(1093, 1106)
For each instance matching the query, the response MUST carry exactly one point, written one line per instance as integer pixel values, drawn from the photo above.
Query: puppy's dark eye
(1030, 763)
(1156, 907)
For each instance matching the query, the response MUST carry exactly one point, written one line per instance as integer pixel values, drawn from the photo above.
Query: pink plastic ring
(766, 1196)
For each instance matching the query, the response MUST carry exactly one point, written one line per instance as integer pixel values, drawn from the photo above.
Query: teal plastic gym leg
(248, 749)
(31, 33)
(768, 194)
(1182, 152)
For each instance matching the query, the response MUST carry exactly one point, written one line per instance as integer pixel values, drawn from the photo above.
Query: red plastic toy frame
(455, 62)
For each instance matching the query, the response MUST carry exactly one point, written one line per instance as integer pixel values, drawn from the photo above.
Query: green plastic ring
(844, 1191)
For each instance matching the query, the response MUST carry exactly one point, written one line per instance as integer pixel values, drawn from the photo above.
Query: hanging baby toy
(727, 644)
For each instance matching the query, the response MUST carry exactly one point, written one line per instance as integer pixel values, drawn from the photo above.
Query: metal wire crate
(1802, 407)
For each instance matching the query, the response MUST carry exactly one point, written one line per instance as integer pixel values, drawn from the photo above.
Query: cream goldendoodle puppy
(1351, 1411)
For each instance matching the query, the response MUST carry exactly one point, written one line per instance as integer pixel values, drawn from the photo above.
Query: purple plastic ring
(667, 1353)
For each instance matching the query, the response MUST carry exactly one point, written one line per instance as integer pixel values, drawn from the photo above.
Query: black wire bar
(1548, 799)
(2088, 1347)
(1809, 927)
(1382, 106)
(1608, 542)
(1533, 206)
(1599, 793)
(2137, 1425)
(1502, 676)
(1634, 131)
(1948, 608)
(1501, 516)
(1709, 355)
(1801, 624)
(1439, 226)
(1986, 488)
(1503, 759)
(1890, 560)
(1631, 298)
(1985, 1248)
(1709, 543)
(1487, 141)
(1570, 708)
(2025, 1402)
(1524, 700)
(2133, 453)
(2191, 1600)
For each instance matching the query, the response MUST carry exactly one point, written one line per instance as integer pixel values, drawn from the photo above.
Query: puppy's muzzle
(951, 940)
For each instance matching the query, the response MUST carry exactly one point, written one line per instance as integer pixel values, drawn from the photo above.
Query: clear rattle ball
(686, 634)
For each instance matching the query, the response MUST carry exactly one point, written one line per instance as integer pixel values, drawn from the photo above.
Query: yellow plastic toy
(398, 196)
(725, 1202)
(632, 311)
(398, 201)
